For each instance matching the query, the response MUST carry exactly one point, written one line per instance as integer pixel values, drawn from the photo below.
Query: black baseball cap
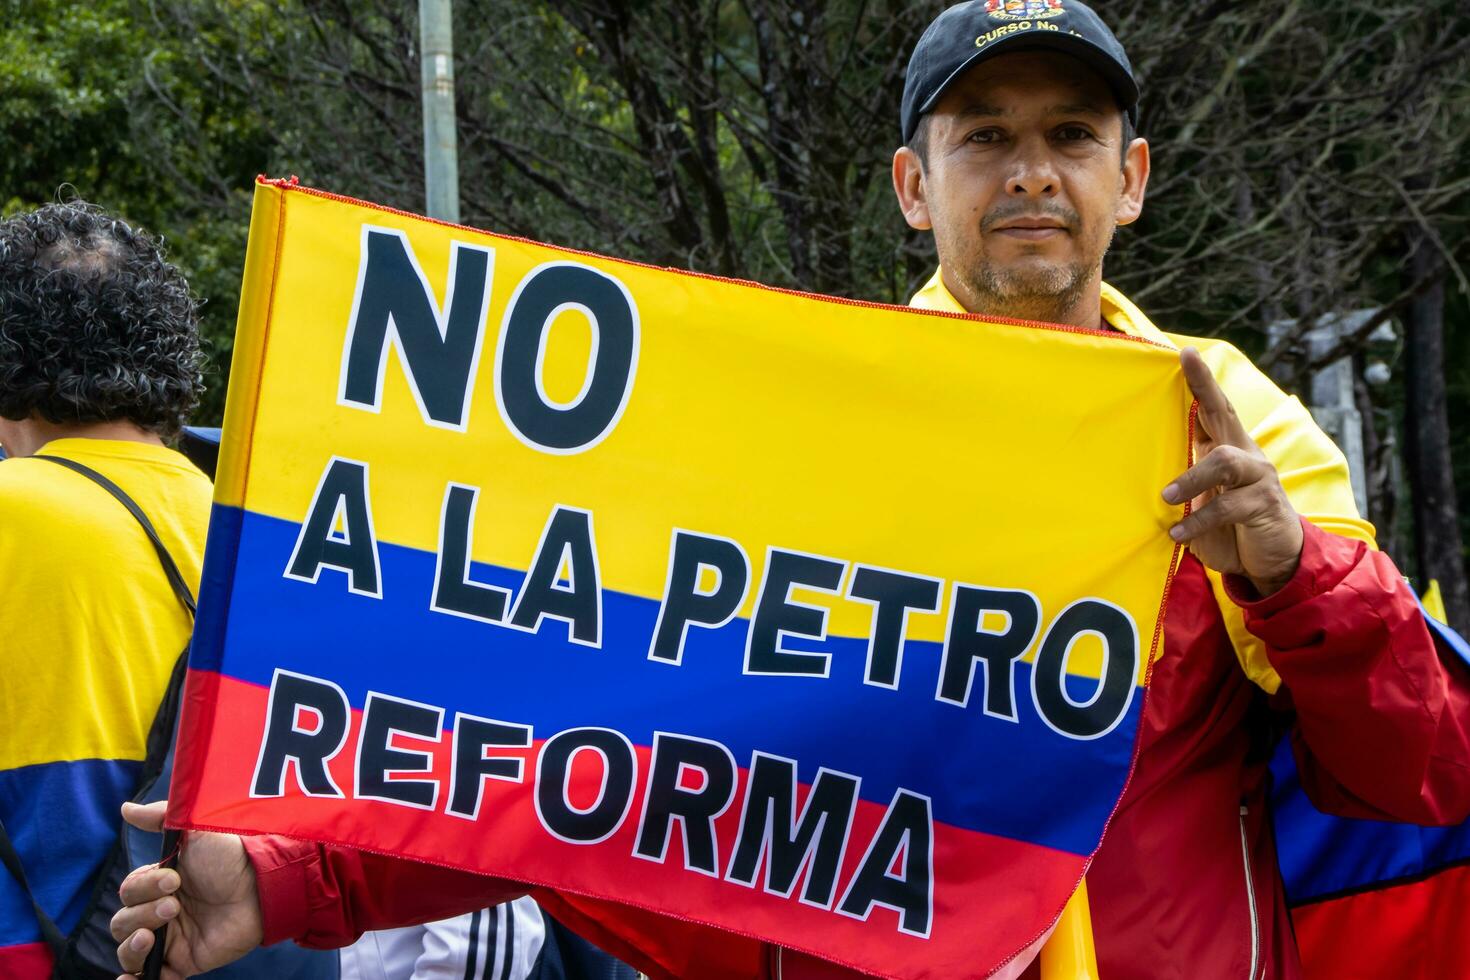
(968, 33)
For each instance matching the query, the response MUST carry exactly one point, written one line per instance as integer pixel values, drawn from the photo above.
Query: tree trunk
(1427, 440)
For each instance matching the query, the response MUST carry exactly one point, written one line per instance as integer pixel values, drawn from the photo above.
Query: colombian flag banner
(821, 623)
(1373, 898)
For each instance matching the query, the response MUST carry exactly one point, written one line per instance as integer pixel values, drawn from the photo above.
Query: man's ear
(1135, 180)
(908, 185)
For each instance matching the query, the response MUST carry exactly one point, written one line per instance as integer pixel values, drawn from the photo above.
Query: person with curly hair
(99, 365)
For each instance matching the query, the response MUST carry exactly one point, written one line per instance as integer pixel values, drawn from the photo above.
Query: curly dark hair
(95, 326)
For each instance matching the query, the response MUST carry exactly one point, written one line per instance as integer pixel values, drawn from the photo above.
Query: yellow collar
(1120, 314)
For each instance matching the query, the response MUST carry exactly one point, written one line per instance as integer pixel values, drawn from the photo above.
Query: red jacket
(1185, 884)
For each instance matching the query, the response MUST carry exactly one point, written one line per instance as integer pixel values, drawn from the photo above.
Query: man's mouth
(1032, 229)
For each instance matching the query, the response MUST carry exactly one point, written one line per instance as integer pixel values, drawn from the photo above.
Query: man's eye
(1073, 133)
(985, 136)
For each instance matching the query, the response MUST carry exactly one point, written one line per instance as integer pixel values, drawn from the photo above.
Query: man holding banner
(906, 778)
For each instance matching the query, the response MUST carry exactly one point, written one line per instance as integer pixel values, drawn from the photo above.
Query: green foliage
(63, 94)
(96, 103)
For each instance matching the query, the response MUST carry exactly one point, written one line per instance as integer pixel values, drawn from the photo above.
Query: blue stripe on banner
(62, 818)
(1323, 855)
(217, 579)
(973, 766)
(1447, 637)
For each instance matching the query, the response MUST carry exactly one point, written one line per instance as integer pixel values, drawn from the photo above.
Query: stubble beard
(1037, 290)
(1048, 293)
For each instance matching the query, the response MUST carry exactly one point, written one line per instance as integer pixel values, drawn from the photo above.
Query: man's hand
(210, 904)
(1241, 521)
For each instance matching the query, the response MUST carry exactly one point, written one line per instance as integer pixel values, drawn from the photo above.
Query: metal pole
(441, 154)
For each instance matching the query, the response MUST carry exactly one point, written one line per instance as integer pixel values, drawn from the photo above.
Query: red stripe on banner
(31, 961)
(196, 721)
(507, 840)
(1413, 931)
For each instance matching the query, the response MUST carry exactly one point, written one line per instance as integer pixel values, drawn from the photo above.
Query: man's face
(1025, 181)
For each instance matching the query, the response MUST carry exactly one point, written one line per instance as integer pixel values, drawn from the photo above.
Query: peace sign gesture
(1241, 521)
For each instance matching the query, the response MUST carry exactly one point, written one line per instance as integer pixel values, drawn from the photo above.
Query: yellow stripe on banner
(248, 359)
(772, 418)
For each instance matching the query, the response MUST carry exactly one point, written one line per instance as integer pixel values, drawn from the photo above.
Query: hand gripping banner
(822, 623)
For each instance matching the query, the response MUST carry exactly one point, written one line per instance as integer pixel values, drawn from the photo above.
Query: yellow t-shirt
(88, 624)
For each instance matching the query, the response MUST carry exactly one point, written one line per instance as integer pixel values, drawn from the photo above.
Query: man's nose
(1033, 174)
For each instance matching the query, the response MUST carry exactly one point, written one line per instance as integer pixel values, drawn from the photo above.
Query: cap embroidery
(1023, 9)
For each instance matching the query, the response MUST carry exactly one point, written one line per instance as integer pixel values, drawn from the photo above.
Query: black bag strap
(170, 567)
(50, 932)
